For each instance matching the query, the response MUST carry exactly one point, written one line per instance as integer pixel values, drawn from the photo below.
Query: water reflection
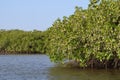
(62, 73)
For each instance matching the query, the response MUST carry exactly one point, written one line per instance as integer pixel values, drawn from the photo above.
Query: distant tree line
(18, 41)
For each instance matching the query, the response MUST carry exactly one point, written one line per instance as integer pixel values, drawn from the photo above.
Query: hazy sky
(35, 14)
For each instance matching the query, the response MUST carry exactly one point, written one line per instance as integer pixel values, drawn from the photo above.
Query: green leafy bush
(88, 34)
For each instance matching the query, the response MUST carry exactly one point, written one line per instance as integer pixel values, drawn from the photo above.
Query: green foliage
(92, 33)
(18, 41)
(87, 34)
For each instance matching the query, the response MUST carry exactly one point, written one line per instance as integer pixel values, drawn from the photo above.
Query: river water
(39, 67)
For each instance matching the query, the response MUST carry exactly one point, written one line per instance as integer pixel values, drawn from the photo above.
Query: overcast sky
(35, 14)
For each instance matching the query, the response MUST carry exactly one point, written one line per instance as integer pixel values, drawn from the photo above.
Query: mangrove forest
(88, 37)
(19, 41)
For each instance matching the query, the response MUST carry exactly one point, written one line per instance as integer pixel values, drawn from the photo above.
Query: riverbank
(96, 64)
(90, 64)
(18, 52)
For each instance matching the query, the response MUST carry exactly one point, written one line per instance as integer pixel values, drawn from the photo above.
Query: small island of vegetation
(89, 37)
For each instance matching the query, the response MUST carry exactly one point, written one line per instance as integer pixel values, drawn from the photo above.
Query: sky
(35, 14)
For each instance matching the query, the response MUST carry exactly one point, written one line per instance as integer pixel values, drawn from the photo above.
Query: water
(39, 67)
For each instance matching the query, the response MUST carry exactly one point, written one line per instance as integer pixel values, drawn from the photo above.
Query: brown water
(39, 67)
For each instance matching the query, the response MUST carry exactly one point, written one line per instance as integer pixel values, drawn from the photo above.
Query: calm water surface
(39, 67)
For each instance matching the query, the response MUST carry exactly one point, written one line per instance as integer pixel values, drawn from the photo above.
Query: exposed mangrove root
(96, 64)
(105, 64)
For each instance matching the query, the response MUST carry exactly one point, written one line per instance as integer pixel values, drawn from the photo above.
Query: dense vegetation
(90, 37)
(18, 41)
